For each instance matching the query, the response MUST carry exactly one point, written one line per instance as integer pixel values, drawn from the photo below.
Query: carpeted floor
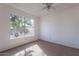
(41, 48)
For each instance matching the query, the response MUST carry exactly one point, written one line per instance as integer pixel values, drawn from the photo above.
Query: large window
(21, 26)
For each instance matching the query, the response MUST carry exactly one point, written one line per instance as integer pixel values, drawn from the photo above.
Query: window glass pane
(21, 26)
(29, 27)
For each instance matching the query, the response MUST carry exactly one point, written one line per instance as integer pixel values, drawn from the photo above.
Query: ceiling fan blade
(47, 5)
(53, 7)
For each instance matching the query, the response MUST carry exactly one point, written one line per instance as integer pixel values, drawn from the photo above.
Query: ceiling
(36, 9)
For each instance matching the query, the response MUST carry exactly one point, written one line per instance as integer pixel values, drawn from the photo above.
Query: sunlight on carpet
(34, 50)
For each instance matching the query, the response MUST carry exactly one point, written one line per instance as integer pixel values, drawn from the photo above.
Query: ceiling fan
(47, 5)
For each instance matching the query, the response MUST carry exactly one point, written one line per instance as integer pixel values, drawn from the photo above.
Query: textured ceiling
(36, 9)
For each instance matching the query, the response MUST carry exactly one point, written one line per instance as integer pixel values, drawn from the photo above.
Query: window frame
(25, 35)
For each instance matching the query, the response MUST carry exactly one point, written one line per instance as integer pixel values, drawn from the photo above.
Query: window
(21, 26)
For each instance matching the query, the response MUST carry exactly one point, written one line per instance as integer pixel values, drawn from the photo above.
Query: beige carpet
(41, 48)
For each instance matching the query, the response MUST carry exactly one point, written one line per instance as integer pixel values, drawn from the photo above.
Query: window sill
(25, 36)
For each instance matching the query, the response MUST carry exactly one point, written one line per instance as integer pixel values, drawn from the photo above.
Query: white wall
(5, 41)
(61, 27)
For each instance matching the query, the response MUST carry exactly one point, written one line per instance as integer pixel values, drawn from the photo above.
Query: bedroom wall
(61, 27)
(5, 41)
